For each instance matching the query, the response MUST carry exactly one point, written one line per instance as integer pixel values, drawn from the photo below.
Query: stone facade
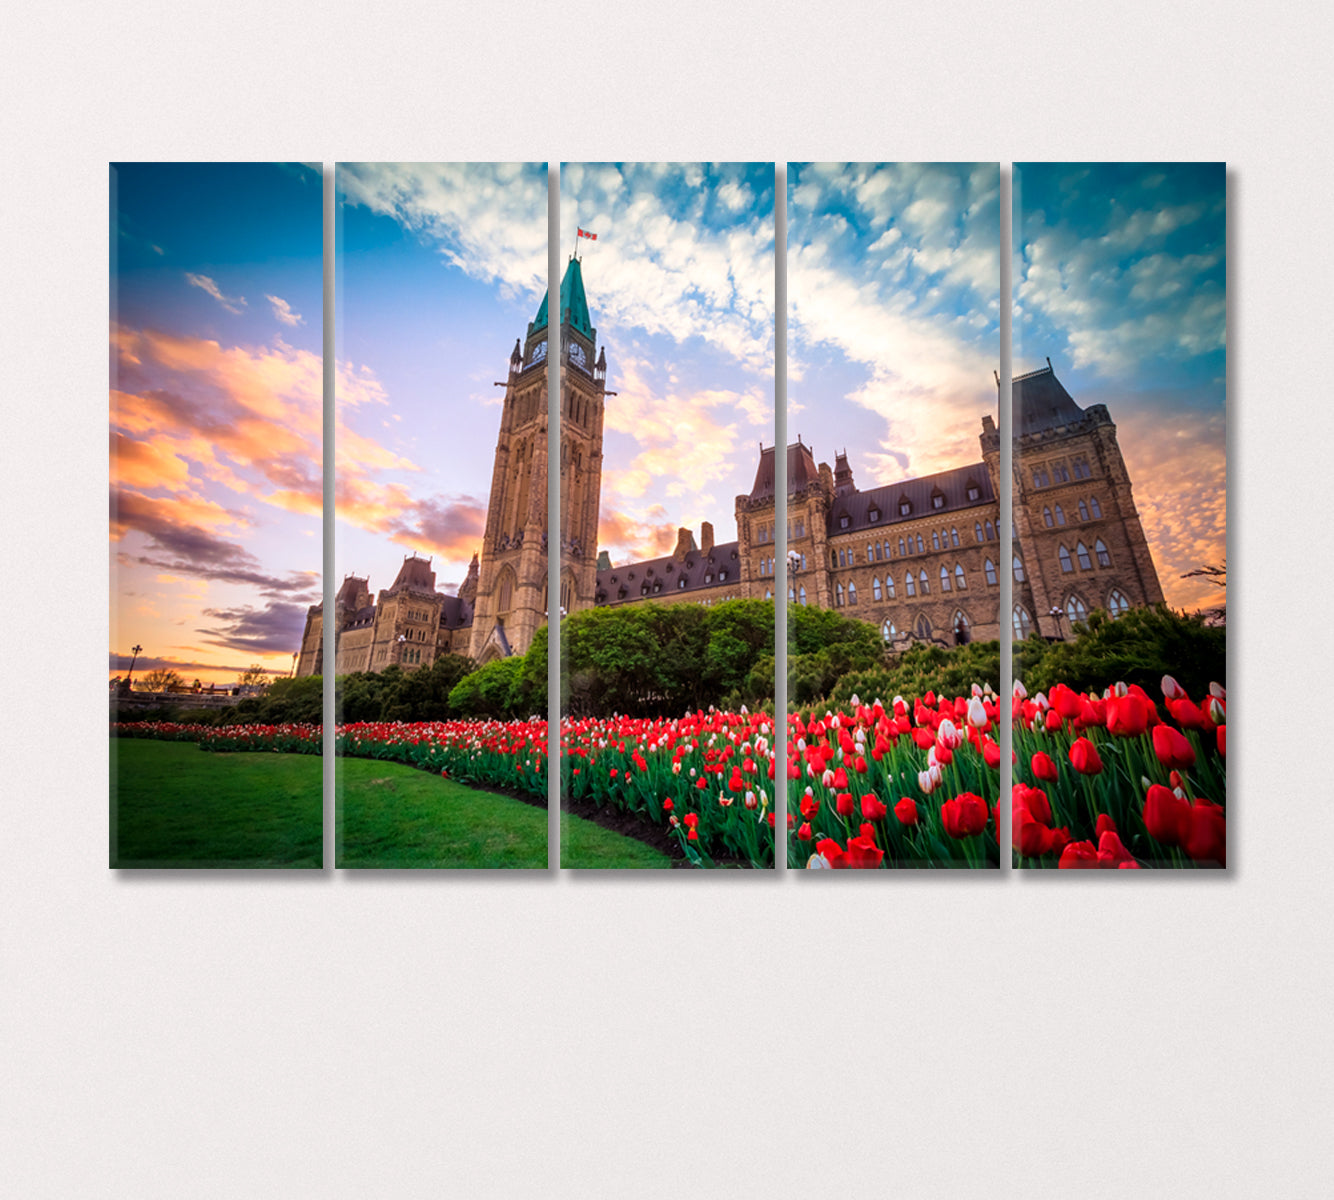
(922, 559)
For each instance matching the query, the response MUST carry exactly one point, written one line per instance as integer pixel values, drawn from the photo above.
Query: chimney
(706, 537)
(685, 544)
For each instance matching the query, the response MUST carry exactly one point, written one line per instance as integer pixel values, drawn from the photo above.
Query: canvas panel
(667, 555)
(1120, 503)
(216, 535)
(893, 283)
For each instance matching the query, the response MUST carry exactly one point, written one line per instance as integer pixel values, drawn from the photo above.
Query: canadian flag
(585, 233)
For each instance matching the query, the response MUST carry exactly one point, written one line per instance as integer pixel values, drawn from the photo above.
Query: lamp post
(129, 675)
(1056, 614)
(294, 656)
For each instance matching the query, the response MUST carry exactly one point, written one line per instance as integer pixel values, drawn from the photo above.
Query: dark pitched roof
(951, 486)
(801, 469)
(1040, 402)
(351, 586)
(455, 612)
(659, 575)
(415, 573)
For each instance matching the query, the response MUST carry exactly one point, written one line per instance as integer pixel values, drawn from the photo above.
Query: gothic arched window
(876, 592)
(977, 530)
(838, 596)
(1060, 515)
(991, 532)
(960, 580)
(1064, 555)
(1083, 511)
(1095, 506)
(889, 586)
(852, 592)
(945, 584)
(1022, 625)
(990, 568)
(909, 585)
(1082, 553)
(1117, 603)
(921, 546)
(1104, 559)
(1047, 518)
(887, 631)
(935, 540)
(1075, 610)
(954, 536)
(1018, 567)
(924, 583)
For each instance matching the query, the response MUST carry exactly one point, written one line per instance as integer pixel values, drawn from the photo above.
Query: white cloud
(233, 304)
(283, 311)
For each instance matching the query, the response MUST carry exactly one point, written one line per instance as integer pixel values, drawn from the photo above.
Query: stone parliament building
(921, 558)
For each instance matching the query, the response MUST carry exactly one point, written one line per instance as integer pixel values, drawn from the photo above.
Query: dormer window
(874, 514)
(722, 575)
(937, 499)
(905, 506)
(843, 521)
(974, 492)
(680, 583)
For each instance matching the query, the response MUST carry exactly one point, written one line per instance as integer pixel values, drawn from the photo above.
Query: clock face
(577, 355)
(539, 352)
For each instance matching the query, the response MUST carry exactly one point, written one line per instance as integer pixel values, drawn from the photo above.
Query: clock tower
(583, 391)
(512, 569)
(512, 601)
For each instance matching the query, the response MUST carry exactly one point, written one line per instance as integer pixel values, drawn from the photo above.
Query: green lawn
(583, 844)
(177, 806)
(173, 805)
(390, 815)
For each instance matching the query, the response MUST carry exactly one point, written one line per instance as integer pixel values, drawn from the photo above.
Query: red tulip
(804, 833)
(843, 804)
(1166, 815)
(1206, 839)
(1172, 748)
(965, 815)
(1104, 824)
(1034, 801)
(906, 811)
(872, 808)
(1064, 701)
(1084, 757)
(831, 852)
(667, 805)
(991, 754)
(809, 806)
(1078, 855)
(1222, 740)
(1044, 768)
(1127, 716)
(690, 820)
(862, 852)
(1111, 853)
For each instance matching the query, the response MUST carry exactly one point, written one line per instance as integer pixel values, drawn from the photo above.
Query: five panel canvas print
(647, 372)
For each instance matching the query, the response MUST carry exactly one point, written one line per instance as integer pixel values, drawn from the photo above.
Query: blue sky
(215, 346)
(440, 266)
(894, 304)
(680, 286)
(1120, 278)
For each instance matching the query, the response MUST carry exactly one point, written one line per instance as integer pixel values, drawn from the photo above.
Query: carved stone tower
(512, 570)
(583, 392)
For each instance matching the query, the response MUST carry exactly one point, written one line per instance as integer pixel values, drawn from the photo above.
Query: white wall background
(563, 1036)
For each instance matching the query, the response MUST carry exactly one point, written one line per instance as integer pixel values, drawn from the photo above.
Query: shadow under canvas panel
(439, 628)
(216, 513)
(667, 638)
(1120, 501)
(893, 283)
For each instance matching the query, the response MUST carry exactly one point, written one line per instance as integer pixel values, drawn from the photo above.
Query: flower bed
(1115, 782)
(707, 776)
(907, 786)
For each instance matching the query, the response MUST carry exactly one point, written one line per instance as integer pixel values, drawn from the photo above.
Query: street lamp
(294, 655)
(1056, 613)
(129, 675)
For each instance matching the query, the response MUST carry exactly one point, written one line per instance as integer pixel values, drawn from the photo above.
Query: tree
(160, 679)
(255, 676)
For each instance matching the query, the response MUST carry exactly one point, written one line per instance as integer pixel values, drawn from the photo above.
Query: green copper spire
(573, 304)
